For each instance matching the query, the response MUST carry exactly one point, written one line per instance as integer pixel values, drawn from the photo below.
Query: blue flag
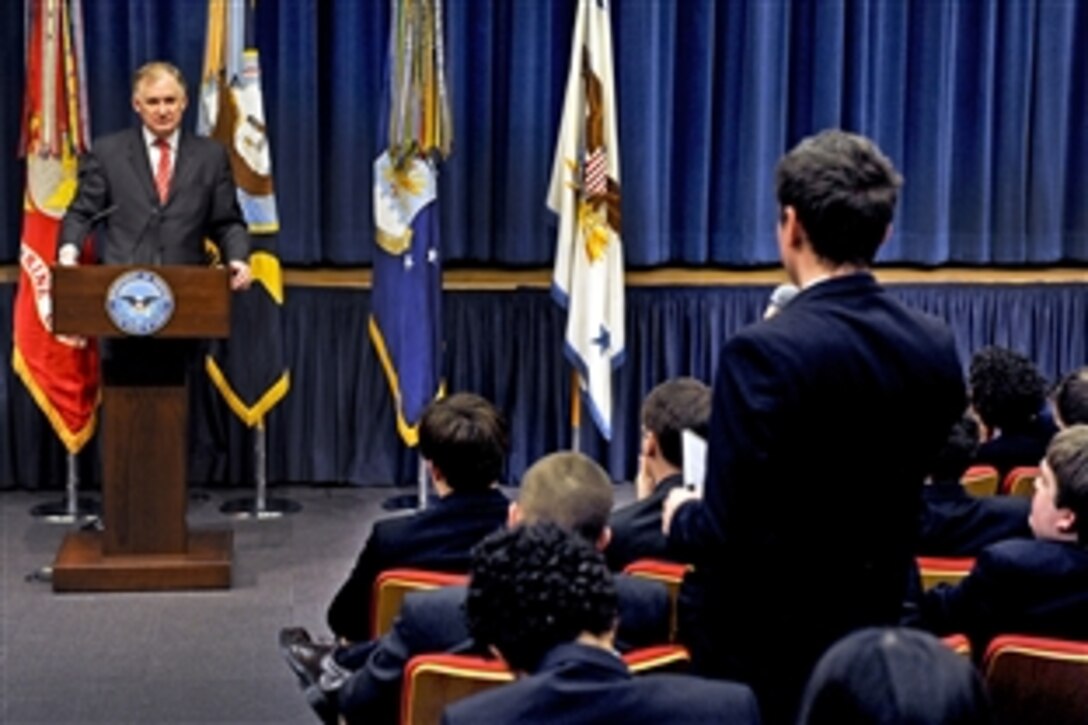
(406, 298)
(406, 302)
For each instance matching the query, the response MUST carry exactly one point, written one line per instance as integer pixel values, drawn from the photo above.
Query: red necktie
(162, 171)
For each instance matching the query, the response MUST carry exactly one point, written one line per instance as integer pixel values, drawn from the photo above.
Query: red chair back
(392, 585)
(1037, 679)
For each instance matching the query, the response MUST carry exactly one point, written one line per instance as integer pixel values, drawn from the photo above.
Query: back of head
(955, 456)
(1006, 388)
(570, 490)
(1067, 456)
(673, 406)
(534, 587)
(466, 438)
(844, 191)
(1071, 398)
(886, 676)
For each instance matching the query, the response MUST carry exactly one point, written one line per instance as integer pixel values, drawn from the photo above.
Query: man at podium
(157, 192)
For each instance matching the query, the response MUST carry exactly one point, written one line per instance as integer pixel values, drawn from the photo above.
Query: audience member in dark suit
(1008, 394)
(886, 676)
(464, 441)
(1069, 402)
(955, 523)
(1037, 586)
(671, 407)
(826, 419)
(564, 488)
(544, 601)
(118, 186)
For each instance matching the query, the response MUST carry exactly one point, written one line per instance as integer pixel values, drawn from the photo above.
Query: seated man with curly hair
(1008, 395)
(545, 602)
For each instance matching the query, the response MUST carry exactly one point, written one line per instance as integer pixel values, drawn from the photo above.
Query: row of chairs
(1031, 679)
(982, 481)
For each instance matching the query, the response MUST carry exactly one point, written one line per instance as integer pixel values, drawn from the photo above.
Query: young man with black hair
(464, 441)
(1069, 402)
(670, 408)
(955, 523)
(1029, 586)
(1008, 395)
(545, 602)
(825, 421)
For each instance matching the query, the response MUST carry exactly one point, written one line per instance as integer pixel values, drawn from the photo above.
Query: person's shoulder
(115, 140)
(693, 698)
(1028, 553)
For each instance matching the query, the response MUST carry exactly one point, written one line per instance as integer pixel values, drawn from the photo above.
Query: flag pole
(261, 507)
(73, 509)
(575, 411)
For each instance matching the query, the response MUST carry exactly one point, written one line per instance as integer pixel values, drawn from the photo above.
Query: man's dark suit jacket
(440, 537)
(636, 528)
(582, 684)
(115, 181)
(1019, 586)
(1024, 446)
(955, 523)
(825, 420)
(434, 621)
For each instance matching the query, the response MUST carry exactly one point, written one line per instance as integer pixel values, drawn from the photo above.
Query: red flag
(60, 372)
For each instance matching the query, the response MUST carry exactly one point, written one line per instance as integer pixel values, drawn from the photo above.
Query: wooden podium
(145, 543)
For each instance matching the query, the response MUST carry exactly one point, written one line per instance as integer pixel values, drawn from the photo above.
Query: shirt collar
(172, 139)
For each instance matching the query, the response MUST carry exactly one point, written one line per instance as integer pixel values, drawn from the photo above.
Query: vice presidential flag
(406, 315)
(585, 193)
(249, 369)
(60, 372)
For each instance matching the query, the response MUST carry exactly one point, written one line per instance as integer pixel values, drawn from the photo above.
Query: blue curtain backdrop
(981, 103)
(337, 423)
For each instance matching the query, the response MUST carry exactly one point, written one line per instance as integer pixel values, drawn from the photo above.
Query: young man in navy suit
(545, 602)
(670, 408)
(955, 523)
(1029, 586)
(825, 421)
(464, 441)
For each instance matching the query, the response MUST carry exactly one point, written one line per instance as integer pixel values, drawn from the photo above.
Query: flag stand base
(251, 508)
(64, 512)
(401, 502)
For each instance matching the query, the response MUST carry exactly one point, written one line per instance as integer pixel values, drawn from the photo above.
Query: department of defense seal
(139, 302)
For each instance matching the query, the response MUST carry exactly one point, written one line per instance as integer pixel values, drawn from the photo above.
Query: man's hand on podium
(68, 256)
(240, 276)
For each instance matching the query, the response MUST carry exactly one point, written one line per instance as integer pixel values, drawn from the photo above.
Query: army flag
(60, 372)
(585, 194)
(249, 369)
(406, 299)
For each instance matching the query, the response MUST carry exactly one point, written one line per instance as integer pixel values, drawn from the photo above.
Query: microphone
(783, 294)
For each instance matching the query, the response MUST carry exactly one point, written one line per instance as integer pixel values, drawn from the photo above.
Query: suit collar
(139, 159)
(666, 484)
(574, 654)
(845, 285)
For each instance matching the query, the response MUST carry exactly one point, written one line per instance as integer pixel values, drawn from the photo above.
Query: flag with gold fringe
(249, 369)
(585, 193)
(60, 372)
(406, 299)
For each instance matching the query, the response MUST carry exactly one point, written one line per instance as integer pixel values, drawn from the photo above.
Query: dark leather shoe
(303, 655)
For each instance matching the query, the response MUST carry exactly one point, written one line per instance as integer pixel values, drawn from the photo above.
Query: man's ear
(513, 515)
(1067, 521)
(651, 447)
(435, 472)
(604, 539)
(791, 228)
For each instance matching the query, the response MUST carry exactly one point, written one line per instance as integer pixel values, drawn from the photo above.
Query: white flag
(585, 193)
